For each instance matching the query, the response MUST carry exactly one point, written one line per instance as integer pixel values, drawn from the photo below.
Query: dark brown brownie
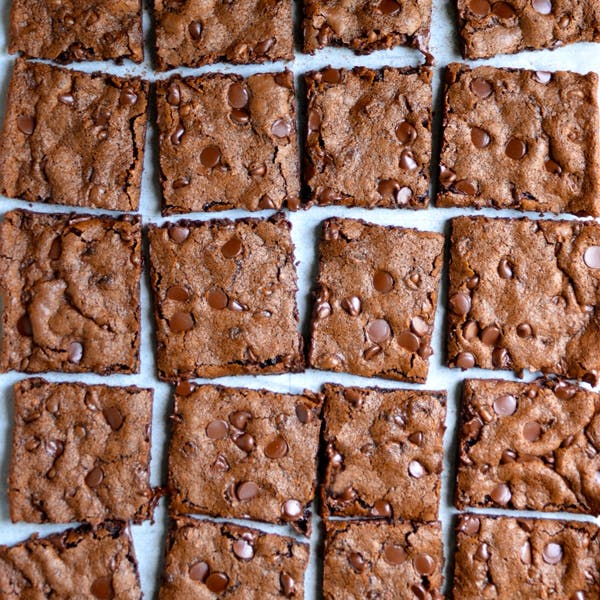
(487, 28)
(69, 30)
(369, 137)
(70, 290)
(505, 558)
(87, 562)
(225, 298)
(383, 452)
(376, 299)
(525, 294)
(366, 26)
(192, 34)
(228, 142)
(80, 453)
(244, 453)
(205, 559)
(73, 138)
(366, 559)
(520, 139)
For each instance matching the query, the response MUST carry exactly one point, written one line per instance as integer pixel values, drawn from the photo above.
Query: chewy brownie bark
(73, 138)
(366, 559)
(383, 452)
(80, 453)
(192, 34)
(520, 139)
(487, 28)
(71, 297)
(524, 294)
(244, 453)
(87, 562)
(228, 142)
(506, 558)
(225, 298)
(369, 137)
(68, 30)
(365, 27)
(204, 559)
(375, 300)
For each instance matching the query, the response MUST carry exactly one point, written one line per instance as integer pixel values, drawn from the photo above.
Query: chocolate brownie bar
(80, 453)
(376, 299)
(369, 137)
(68, 30)
(192, 34)
(506, 558)
(487, 28)
(204, 559)
(87, 562)
(383, 452)
(244, 453)
(73, 138)
(225, 298)
(525, 294)
(366, 559)
(365, 27)
(520, 139)
(70, 289)
(228, 142)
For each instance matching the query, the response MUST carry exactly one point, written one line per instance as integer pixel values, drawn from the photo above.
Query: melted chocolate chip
(217, 582)
(291, 510)
(185, 388)
(179, 234)
(424, 564)
(240, 418)
(243, 549)
(409, 341)
(467, 186)
(75, 352)
(113, 417)
(217, 299)
(383, 282)
(381, 508)
(281, 128)
(460, 304)
(94, 477)
(232, 248)
(490, 335)
(532, 431)
(288, 585)
(481, 8)
(407, 161)
(416, 469)
(505, 405)
(552, 553)
(331, 75)
(357, 562)
(246, 491)
(24, 326)
(210, 156)
(237, 95)
(503, 10)
(198, 571)
(178, 293)
(480, 138)
(352, 305)
(544, 7)
(244, 442)
(378, 330)
(591, 257)
(524, 330)
(406, 133)
(304, 414)
(469, 524)
(26, 124)
(180, 322)
(516, 149)
(102, 588)
(481, 87)
(465, 360)
(394, 554)
(505, 269)
(195, 30)
(278, 448)
(501, 494)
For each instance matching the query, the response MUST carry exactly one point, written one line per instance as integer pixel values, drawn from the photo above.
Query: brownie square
(80, 453)
(73, 138)
(366, 559)
(228, 142)
(365, 27)
(524, 294)
(71, 293)
(67, 31)
(383, 452)
(87, 562)
(241, 453)
(487, 28)
(520, 139)
(375, 300)
(528, 446)
(369, 137)
(506, 558)
(205, 558)
(191, 33)
(225, 298)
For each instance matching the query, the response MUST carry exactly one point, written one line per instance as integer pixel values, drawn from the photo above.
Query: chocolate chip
(591, 257)
(75, 352)
(128, 97)
(424, 564)
(503, 10)
(419, 326)
(357, 562)
(406, 133)
(524, 330)
(470, 330)
(210, 156)
(501, 494)
(185, 388)
(481, 8)
(394, 554)
(383, 282)
(447, 176)
(329, 196)
(66, 99)
(490, 335)
(515, 149)
(24, 326)
(173, 95)
(564, 390)
(416, 438)
(304, 414)
(94, 477)
(244, 442)
(179, 234)
(480, 137)
(552, 167)
(281, 128)
(409, 341)
(217, 582)
(26, 124)
(264, 46)
(469, 524)
(288, 585)
(544, 7)
(388, 187)
(378, 330)
(314, 120)
(285, 79)
(102, 588)
(508, 456)
(525, 553)
(237, 95)
(178, 293)
(246, 491)
(331, 75)
(416, 469)
(467, 186)
(240, 418)
(505, 269)
(217, 430)
(542, 76)
(54, 448)
(552, 553)
(241, 117)
(198, 571)
(505, 405)
(322, 310)
(243, 549)
(180, 322)
(232, 248)
(217, 299)
(195, 30)
(291, 510)
(460, 303)
(465, 360)
(177, 135)
(407, 160)
(403, 196)
(113, 417)
(278, 448)
(482, 552)
(532, 431)
(381, 508)
(481, 87)
(353, 396)
(500, 358)
(352, 305)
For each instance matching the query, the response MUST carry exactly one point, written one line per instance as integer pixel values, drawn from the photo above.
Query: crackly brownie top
(523, 295)
(80, 453)
(204, 558)
(73, 30)
(87, 562)
(376, 299)
(244, 453)
(383, 452)
(228, 142)
(225, 297)
(369, 137)
(520, 139)
(190, 33)
(73, 138)
(505, 558)
(366, 26)
(70, 287)
(380, 560)
(488, 28)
